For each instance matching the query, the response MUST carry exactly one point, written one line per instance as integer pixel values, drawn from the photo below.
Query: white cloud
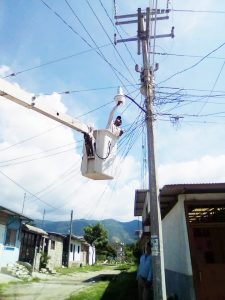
(4, 70)
(207, 169)
(26, 135)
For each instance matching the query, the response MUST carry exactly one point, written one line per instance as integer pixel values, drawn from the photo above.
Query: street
(58, 287)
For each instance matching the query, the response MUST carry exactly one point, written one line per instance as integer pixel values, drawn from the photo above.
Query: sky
(63, 53)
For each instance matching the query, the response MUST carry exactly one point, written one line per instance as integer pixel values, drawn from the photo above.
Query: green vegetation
(44, 259)
(97, 235)
(117, 231)
(76, 269)
(120, 287)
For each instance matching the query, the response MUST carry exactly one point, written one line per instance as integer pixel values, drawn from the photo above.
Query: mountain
(118, 231)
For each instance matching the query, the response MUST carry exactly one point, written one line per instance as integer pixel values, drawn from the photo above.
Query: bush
(44, 259)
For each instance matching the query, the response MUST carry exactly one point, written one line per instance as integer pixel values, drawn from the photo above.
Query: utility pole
(43, 218)
(24, 199)
(69, 242)
(147, 89)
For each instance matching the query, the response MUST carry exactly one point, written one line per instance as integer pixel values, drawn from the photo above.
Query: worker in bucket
(114, 126)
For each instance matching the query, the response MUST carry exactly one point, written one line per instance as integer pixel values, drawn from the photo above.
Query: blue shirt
(145, 267)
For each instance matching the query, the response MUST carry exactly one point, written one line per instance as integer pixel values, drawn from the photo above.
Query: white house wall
(178, 268)
(8, 254)
(175, 240)
(91, 260)
(75, 256)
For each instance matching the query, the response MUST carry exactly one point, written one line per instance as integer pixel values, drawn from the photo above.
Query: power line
(117, 31)
(30, 138)
(185, 55)
(85, 90)
(194, 65)
(99, 52)
(53, 61)
(199, 11)
(217, 78)
(110, 40)
(25, 190)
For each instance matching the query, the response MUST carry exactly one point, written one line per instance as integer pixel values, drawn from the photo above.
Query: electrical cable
(100, 23)
(30, 138)
(192, 66)
(217, 78)
(25, 190)
(99, 52)
(117, 31)
(52, 62)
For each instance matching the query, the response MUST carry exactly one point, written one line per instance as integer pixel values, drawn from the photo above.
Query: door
(207, 246)
(208, 257)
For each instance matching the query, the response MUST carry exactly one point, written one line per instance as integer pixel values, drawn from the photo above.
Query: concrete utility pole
(147, 89)
(43, 218)
(24, 199)
(69, 242)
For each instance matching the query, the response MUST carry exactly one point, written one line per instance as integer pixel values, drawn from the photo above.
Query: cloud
(4, 70)
(42, 158)
(207, 169)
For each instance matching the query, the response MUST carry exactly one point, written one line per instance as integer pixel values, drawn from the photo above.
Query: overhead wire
(99, 52)
(103, 28)
(30, 138)
(192, 66)
(217, 78)
(52, 62)
(128, 50)
(24, 189)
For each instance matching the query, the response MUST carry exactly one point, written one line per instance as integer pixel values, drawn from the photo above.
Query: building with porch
(193, 226)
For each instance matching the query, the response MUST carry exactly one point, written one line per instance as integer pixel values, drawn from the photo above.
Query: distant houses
(10, 235)
(193, 226)
(20, 241)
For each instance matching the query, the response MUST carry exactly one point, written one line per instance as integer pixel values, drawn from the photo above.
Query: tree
(96, 235)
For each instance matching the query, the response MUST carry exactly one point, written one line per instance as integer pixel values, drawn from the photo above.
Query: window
(78, 249)
(10, 237)
(71, 247)
(53, 245)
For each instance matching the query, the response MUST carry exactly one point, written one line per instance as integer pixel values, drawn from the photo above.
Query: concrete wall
(55, 254)
(9, 254)
(177, 258)
(76, 254)
(92, 256)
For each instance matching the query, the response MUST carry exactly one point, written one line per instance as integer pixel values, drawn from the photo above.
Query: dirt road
(58, 287)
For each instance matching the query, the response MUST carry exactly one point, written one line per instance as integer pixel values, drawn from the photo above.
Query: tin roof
(36, 230)
(168, 195)
(14, 213)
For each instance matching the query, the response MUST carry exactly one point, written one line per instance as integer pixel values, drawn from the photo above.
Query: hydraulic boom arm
(15, 94)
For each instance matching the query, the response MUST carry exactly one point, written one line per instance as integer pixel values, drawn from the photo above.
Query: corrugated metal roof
(36, 230)
(14, 213)
(140, 196)
(169, 193)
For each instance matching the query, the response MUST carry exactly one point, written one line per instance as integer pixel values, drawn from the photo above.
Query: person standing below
(144, 275)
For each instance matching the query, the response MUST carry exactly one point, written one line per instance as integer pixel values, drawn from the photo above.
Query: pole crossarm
(152, 12)
(15, 94)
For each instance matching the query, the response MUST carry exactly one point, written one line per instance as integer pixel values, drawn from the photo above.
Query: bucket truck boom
(99, 145)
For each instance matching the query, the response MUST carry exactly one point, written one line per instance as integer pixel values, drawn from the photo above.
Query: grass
(76, 269)
(123, 287)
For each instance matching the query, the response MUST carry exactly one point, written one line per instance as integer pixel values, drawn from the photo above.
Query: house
(33, 242)
(10, 235)
(193, 226)
(80, 252)
(55, 249)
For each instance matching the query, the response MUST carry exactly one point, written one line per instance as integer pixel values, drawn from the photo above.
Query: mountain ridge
(123, 232)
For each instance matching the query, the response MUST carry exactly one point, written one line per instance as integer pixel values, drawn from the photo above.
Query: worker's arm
(112, 114)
